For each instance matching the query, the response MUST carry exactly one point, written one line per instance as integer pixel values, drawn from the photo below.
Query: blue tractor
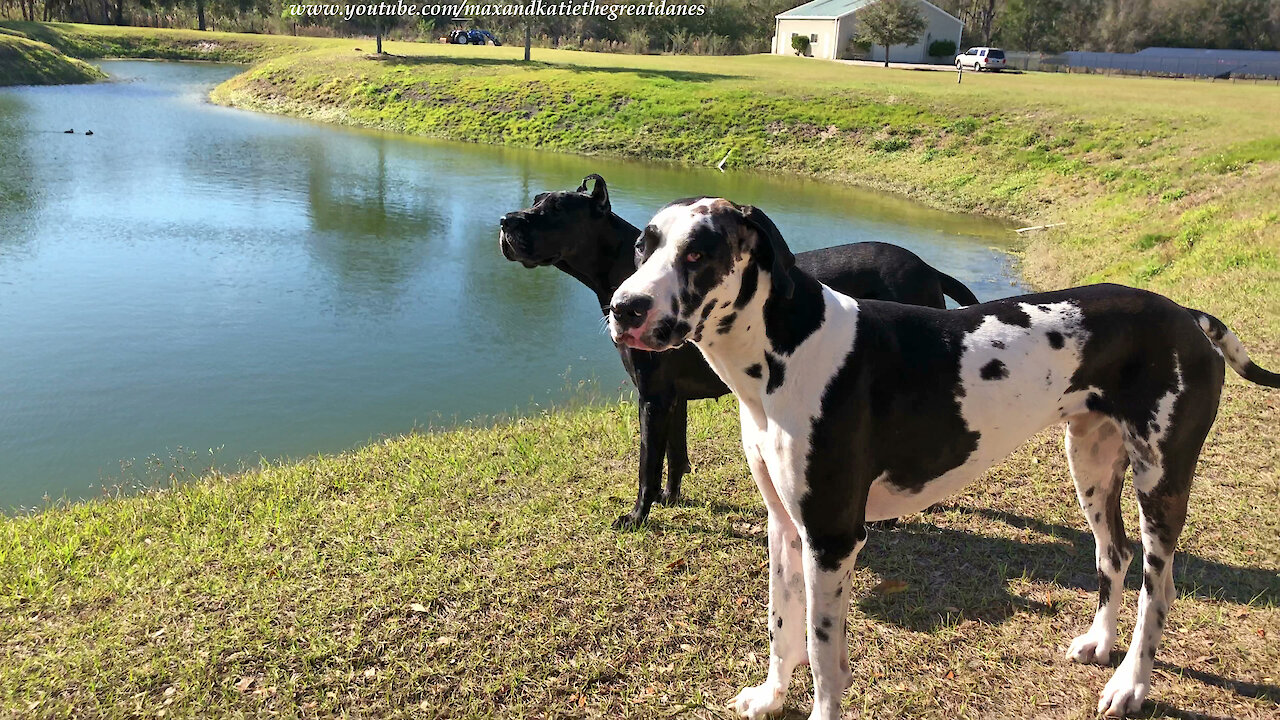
(472, 37)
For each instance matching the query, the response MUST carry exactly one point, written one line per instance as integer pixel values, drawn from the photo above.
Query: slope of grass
(107, 41)
(1166, 184)
(24, 61)
(473, 574)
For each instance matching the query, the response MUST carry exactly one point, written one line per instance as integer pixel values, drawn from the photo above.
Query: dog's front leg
(655, 415)
(786, 603)
(828, 574)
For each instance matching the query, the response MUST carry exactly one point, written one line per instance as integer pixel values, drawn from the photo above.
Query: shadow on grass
(422, 60)
(1256, 691)
(1165, 710)
(955, 574)
(1193, 575)
(39, 32)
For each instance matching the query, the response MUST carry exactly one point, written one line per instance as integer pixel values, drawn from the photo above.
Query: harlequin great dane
(579, 233)
(858, 410)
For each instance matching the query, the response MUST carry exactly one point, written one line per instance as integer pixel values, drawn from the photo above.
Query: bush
(800, 44)
(942, 48)
(638, 40)
(753, 44)
(858, 48)
(679, 41)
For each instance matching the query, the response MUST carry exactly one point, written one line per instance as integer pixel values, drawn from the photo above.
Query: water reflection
(196, 277)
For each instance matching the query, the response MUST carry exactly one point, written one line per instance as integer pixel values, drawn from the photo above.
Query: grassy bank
(1166, 184)
(110, 41)
(24, 61)
(472, 573)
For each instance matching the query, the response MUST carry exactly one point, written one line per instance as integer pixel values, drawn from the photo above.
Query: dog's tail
(956, 290)
(1233, 350)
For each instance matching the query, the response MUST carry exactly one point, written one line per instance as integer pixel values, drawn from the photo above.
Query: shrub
(638, 40)
(800, 43)
(890, 144)
(858, 48)
(717, 44)
(942, 48)
(753, 44)
(679, 41)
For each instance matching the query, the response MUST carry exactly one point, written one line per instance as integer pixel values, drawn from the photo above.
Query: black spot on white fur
(777, 373)
(994, 370)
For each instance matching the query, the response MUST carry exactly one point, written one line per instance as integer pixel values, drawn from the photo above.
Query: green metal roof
(825, 9)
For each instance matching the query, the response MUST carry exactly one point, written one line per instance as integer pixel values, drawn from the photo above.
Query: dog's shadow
(967, 575)
(954, 575)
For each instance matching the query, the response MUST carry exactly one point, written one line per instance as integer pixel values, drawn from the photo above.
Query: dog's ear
(599, 193)
(771, 250)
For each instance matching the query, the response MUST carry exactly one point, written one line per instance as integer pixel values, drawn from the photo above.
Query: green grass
(24, 61)
(108, 41)
(472, 573)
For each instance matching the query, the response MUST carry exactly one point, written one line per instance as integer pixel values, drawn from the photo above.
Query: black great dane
(855, 410)
(578, 233)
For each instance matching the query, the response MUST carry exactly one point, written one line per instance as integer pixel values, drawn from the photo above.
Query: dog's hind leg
(1163, 490)
(786, 600)
(1096, 456)
(828, 576)
(677, 451)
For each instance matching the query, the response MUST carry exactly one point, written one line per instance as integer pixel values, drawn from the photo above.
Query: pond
(194, 285)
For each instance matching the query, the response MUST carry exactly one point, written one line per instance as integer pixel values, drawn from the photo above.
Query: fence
(1226, 64)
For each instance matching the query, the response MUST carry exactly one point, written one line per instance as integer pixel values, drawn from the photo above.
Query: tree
(1031, 25)
(891, 22)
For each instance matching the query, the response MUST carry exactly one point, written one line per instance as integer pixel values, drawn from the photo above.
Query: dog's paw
(629, 521)
(1122, 694)
(1092, 647)
(755, 703)
(669, 498)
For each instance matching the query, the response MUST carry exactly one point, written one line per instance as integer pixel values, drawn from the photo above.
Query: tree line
(1119, 25)
(727, 26)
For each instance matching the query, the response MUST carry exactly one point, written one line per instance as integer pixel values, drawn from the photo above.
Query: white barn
(829, 24)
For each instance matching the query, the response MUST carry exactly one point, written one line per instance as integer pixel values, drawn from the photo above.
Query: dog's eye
(692, 257)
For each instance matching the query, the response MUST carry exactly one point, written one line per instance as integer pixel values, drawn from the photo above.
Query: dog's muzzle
(632, 323)
(515, 244)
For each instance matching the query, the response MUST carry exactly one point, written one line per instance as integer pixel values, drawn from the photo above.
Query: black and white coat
(858, 410)
(578, 233)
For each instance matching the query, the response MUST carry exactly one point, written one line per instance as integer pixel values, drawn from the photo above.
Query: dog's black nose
(630, 310)
(510, 219)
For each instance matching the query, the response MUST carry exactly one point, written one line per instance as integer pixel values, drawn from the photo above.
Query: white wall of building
(825, 31)
(833, 36)
(941, 27)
